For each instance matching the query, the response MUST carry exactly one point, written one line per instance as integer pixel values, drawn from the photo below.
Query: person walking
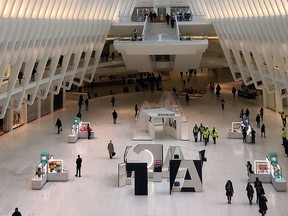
(249, 168)
(222, 103)
(20, 76)
(258, 120)
(259, 188)
(115, 116)
(262, 204)
(241, 114)
(244, 133)
(206, 135)
(233, 91)
(136, 110)
(79, 115)
(167, 18)
(58, 125)
(110, 148)
(214, 134)
(286, 146)
(262, 113)
(86, 104)
(263, 134)
(247, 113)
(89, 131)
(250, 192)
(80, 105)
(78, 166)
(16, 212)
(201, 129)
(187, 99)
(283, 135)
(195, 132)
(229, 191)
(283, 117)
(113, 101)
(218, 89)
(253, 132)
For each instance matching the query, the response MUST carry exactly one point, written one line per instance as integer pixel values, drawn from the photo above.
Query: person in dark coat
(17, 213)
(167, 18)
(259, 188)
(113, 101)
(187, 99)
(218, 89)
(253, 132)
(233, 91)
(78, 166)
(114, 115)
(136, 110)
(222, 103)
(249, 168)
(262, 204)
(89, 131)
(247, 113)
(258, 118)
(244, 133)
(250, 192)
(58, 125)
(86, 104)
(79, 115)
(229, 191)
(285, 142)
(263, 134)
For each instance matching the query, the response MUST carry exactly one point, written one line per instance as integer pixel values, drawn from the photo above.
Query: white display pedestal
(58, 176)
(157, 177)
(72, 138)
(264, 178)
(280, 185)
(37, 183)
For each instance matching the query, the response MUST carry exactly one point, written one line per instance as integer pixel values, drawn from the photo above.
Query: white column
(24, 112)
(64, 98)
(52, 103)
(278, 102)
(8, 121)
(38, 108)
(265, 99)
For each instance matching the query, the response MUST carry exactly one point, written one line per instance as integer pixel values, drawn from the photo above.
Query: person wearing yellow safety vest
(206, 133)
(283, 135)
(214, 134)
(195, 132)
(201, 129)
(283, 117)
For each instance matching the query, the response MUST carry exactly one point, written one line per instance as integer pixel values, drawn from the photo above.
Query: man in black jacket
(78, 166)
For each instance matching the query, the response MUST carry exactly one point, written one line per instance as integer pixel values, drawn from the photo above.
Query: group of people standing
(205, 133)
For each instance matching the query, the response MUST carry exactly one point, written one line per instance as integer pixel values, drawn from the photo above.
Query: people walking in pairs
(110, 148)
(229, 191)
(58, 125)
(263, 133)
(201, 129)
(258, 118)
(214, 134)
(250, 192)
(262, 113)
(113, 101)
(233, 91)
(283, 117)
(195, 132)
(283, 135)
(262, 204)
(78, 166)
(86, 104)
(259, 188)
(115, 116)
(222, 103)
(253, 132)
(244, 133)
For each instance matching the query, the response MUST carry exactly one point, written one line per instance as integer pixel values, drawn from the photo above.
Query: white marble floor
(96, 192)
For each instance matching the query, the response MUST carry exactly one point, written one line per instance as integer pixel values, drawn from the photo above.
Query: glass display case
(276, 172)
(41, 170)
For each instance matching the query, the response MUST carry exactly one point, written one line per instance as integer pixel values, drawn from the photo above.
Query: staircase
(160, 32)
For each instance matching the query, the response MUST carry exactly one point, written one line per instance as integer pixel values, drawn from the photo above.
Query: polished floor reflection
(96, 192)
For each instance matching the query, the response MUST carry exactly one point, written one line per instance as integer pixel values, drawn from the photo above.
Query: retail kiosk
(49, 169)
(79, 130)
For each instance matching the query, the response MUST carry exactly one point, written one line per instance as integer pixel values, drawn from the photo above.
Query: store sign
(166, 114)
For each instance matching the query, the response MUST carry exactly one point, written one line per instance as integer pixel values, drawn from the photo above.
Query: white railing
(177, 28)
